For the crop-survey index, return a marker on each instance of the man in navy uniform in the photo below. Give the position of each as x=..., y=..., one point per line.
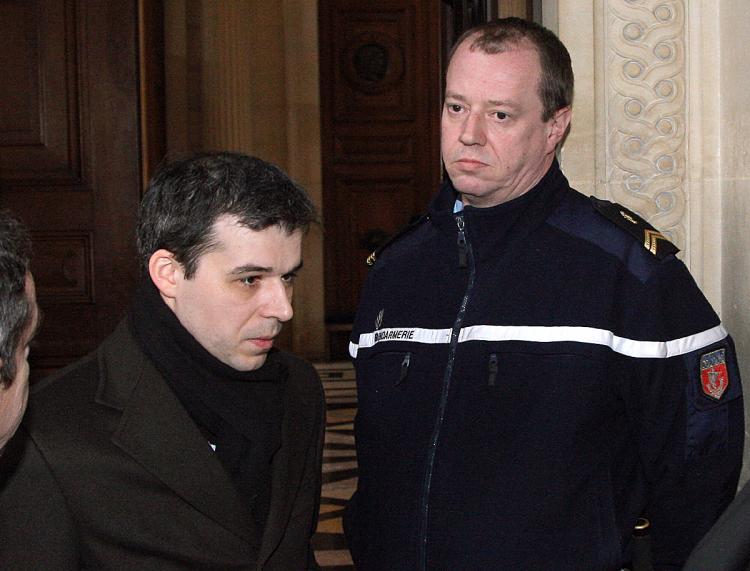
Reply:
x=536, y=369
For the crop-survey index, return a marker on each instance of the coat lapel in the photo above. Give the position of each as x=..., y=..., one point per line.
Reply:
x=156, y=431
x=288, y=467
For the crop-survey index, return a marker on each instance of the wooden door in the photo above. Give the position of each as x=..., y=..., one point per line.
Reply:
x=380, y=107
x=70, y=161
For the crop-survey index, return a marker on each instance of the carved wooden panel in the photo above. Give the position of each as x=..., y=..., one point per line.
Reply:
x=380, y=109
x=39, y=126
x=358, y=148
x=63, y=267
x=369, y=211
x=69, y=161
x=373, y=71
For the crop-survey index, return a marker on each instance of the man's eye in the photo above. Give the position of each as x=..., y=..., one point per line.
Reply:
x=454, y=108
x=289, y=278
x=249, y=280
x=500, y=115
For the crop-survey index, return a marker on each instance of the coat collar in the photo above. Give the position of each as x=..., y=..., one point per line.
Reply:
x=157, y=432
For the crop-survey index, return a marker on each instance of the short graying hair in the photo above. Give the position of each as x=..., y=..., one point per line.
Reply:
x=556, y=81
x=186, y=197
x=15, y=310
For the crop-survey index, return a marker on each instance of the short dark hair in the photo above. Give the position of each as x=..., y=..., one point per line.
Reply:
x=556, y=82
x=15, y=310
x=186, y=197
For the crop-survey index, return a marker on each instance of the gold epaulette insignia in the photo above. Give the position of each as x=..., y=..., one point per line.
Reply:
x=653, y=240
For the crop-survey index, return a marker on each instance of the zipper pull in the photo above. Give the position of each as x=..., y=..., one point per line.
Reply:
x=493, y=370
x=462, y=247
x=404, y=369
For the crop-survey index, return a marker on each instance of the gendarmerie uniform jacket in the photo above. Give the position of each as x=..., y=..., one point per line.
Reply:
x=113, y=474
x=526, y=392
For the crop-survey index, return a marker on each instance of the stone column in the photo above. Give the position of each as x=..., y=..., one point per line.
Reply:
x=242, y=75
x=227, y=91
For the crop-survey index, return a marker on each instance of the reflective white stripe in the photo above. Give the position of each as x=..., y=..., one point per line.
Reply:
x=622, y=345
x=405, y=334
x=541, y=334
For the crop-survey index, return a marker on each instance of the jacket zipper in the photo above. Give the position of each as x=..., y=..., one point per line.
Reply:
x=463, y=247
x=465, y=259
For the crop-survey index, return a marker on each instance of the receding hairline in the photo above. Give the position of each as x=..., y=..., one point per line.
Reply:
x=474, y=43
x=214, y=244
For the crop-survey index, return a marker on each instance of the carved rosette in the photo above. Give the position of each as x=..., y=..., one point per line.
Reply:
x=646, y=111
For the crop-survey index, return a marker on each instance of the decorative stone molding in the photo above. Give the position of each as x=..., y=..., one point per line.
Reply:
x=645, y=91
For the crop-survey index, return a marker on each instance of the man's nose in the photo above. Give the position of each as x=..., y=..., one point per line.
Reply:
x=278, y=302
x=472, y=132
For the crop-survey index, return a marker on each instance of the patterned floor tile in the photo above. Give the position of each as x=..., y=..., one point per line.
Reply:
x=339, y=465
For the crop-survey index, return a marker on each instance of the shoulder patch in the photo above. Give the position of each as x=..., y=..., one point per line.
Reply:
x=373, y=257
x=653, y=240
x=714, y=374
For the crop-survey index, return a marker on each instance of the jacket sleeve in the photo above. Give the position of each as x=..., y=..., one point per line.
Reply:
x=36, y=528
x=686, y=409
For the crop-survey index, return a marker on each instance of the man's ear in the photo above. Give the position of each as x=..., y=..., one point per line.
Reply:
x=166, y=273
x=558, y=126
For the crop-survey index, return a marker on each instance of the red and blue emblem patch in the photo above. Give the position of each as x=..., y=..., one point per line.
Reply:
x=714, y=374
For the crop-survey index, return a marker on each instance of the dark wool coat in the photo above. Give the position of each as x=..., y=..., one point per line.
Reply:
x=109, y=472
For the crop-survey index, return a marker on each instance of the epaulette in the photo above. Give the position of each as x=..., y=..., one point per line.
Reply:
x=653, y=240
x=372, y=258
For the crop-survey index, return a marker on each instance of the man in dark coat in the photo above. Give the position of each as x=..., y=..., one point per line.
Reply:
x=186, y=440
x=19, y=318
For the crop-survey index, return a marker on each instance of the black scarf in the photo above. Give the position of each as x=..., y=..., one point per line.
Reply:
x=239, y=412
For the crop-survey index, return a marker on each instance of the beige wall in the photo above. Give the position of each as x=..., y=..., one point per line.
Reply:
x=659, y=125
x=734, y=177
x=242, y=75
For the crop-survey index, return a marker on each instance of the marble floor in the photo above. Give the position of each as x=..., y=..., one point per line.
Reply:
x=339, y=465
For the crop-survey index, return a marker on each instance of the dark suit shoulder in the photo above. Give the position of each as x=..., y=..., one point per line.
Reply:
x=303, y=380
x=299, y=369
x=69, y=406
x=63, y=396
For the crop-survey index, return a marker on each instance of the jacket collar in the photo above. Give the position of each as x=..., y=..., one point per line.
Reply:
x=496, y=232
x=157, y=433
x=443, y=202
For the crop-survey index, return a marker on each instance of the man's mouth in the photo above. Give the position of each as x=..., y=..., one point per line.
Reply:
x=262, y=342
x=469, y=164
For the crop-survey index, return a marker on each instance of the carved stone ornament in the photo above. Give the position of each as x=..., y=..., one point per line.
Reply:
x=646, y=110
